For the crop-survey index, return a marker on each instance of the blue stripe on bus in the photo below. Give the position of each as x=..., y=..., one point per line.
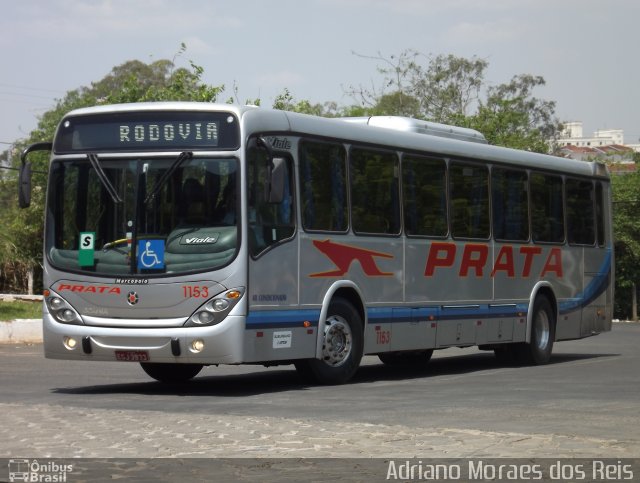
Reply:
x=485, y=311
x=269, y=319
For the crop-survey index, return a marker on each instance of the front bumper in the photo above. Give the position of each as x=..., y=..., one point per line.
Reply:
x=223, y=342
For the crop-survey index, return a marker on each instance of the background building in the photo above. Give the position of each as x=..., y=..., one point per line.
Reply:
x=605, y=145
x=572, y=135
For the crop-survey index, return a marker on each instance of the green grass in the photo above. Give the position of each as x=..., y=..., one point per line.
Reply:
x=20, y=310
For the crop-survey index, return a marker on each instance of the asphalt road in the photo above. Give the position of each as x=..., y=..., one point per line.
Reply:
x=585, y=403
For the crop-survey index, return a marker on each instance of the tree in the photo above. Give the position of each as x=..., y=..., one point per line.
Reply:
x=452, y=90
x=396, y=104
x=286, y=102
x=512, y=116
x=626, y=233
x=441, y=90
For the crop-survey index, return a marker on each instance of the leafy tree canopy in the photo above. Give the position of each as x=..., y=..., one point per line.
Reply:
x=453, y=90
x=626, y=227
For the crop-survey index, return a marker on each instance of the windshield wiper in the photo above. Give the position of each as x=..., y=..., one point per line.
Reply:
x=95, y=163
x=163, y=179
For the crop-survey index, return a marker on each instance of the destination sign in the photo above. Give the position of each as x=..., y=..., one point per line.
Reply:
x=154, y=132
x=148, y=130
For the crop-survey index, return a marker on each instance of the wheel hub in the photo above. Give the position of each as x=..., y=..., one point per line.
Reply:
x=542, y=330
x=338, y=341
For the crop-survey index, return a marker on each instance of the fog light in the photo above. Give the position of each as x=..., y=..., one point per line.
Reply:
x=197, y=345
x=69, y=342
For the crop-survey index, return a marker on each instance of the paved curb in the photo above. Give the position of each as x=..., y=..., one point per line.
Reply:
x=21, y=331
x=10, y=297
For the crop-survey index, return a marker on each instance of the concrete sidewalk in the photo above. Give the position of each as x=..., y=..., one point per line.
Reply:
x=21, y=331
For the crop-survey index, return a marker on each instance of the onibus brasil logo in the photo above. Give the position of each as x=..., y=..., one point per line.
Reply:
x=35, y=471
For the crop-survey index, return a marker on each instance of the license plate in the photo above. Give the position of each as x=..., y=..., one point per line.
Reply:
x=132, y=356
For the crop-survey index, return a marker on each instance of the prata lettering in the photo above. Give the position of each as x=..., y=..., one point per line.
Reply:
x=475, y=260
x=196, y=131
x=102, y=289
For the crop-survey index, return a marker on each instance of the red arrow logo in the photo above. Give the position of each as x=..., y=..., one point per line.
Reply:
x=343, y=255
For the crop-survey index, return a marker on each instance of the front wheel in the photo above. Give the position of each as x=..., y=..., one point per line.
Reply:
x=342, y=346
x=171, y=373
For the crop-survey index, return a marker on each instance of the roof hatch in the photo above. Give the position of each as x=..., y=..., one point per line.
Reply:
x=408, y=124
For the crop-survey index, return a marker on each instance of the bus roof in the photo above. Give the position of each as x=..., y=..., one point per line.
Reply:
x=393, y=132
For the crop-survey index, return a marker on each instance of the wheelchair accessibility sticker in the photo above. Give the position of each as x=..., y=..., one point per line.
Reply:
x=150, y=254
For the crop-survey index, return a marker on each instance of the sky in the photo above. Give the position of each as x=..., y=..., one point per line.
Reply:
x=586, y=50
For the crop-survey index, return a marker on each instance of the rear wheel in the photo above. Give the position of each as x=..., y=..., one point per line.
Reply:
x=342, y=346
x=171, y=372
x=543, y=334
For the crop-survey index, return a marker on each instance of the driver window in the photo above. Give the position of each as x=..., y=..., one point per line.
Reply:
x=269, y=223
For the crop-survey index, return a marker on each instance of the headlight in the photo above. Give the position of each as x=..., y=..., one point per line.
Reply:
x=61, y=310
x=214, y=310
x=204, y=318
x=56, y=303
x=218, y=305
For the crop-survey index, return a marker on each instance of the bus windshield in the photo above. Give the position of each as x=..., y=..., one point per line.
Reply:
x=133, y=216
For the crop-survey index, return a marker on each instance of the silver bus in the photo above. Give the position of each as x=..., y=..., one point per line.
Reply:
x=180, y=235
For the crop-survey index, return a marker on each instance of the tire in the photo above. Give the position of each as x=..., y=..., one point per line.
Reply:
x=408, y=359
x=543, y=334
x=171, y=373
x=342, y=346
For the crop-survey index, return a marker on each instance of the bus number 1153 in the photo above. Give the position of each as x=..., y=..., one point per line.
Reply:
x=195, y=291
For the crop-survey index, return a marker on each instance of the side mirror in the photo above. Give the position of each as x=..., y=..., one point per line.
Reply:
x=24, y=185
x=277, y=179
x=24, y=174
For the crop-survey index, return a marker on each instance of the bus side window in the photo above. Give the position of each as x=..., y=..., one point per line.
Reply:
x=375, y=193
x=469, y=191
x=600, y=214
x=269, y=223
x=547, y=214
x=323, y=187
x=580, y=212
x=424, y=191
x=510, y=204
